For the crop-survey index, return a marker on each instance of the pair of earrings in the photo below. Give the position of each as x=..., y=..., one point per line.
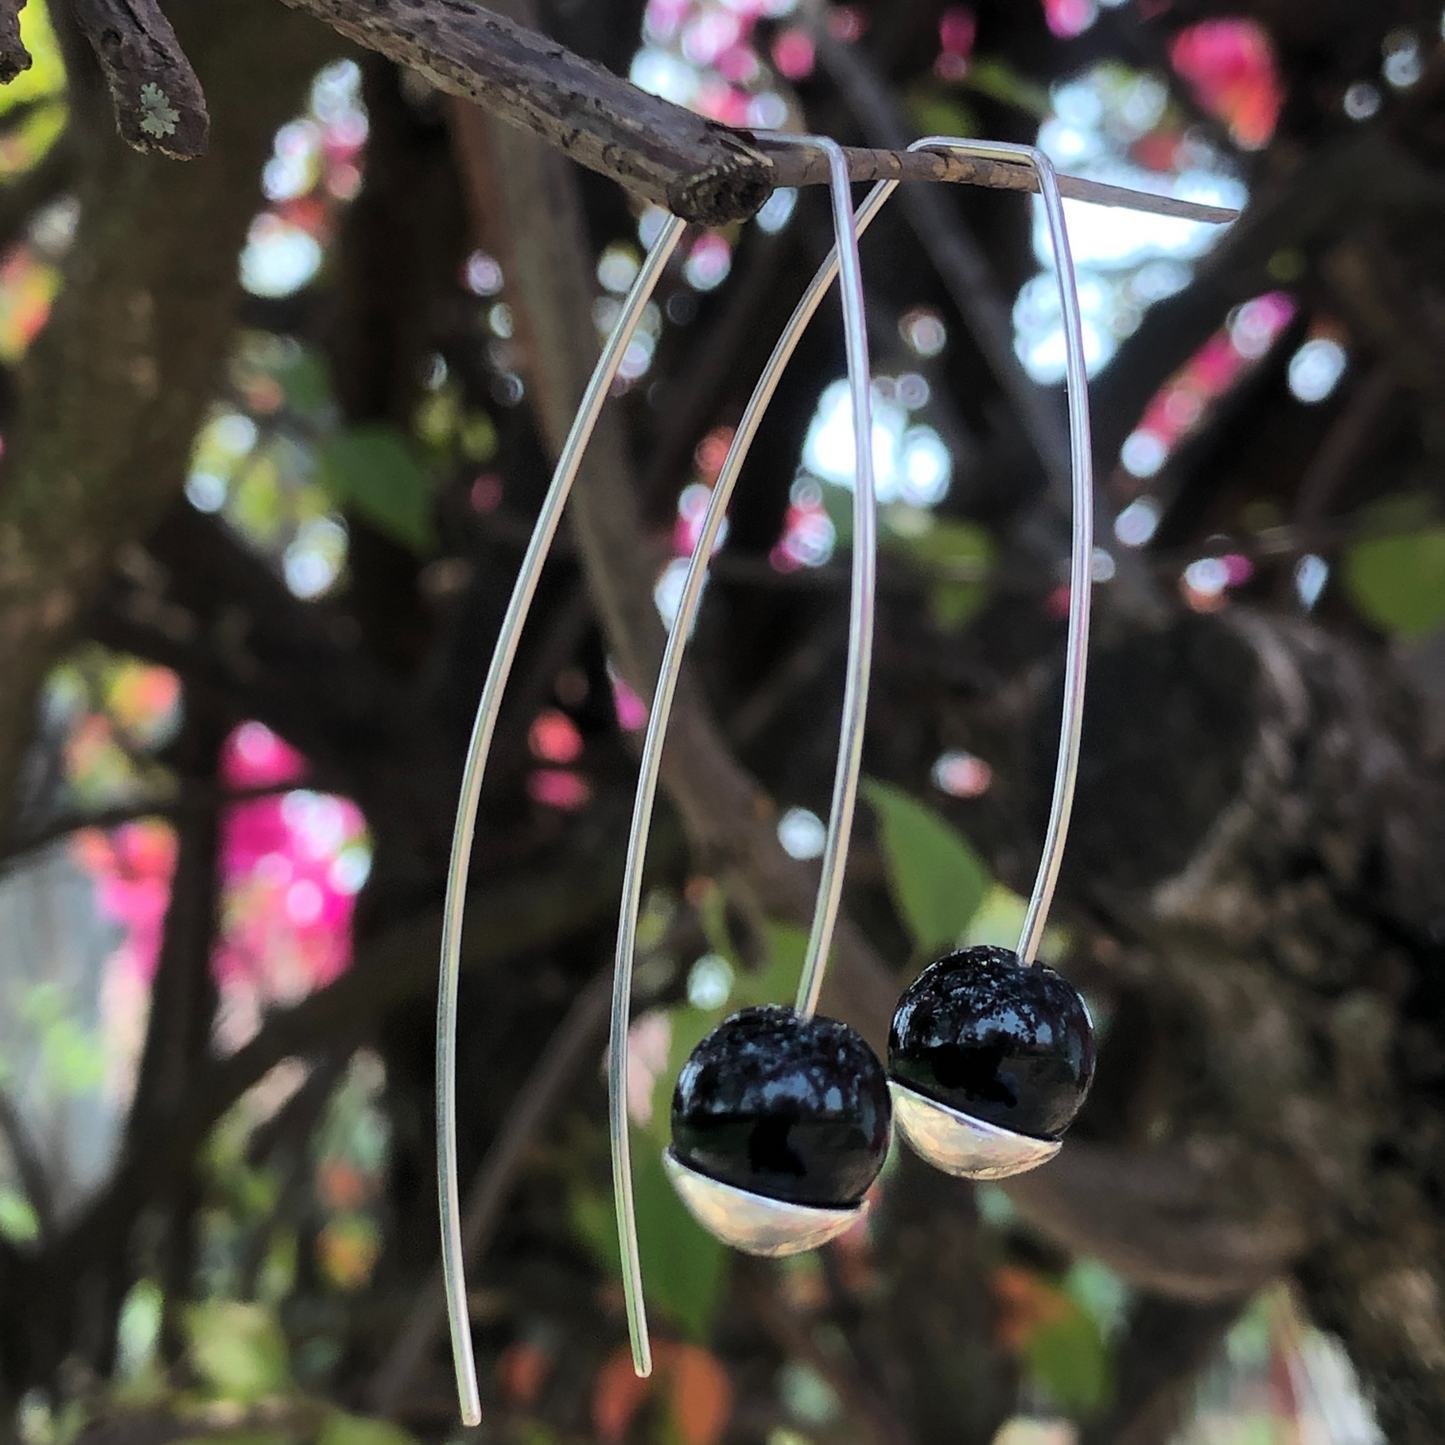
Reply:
x=781, y=1119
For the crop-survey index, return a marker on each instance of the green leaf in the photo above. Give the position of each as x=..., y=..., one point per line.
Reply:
x=683, y=1266
x=477, y=437
x=1099, y=1292
x=1398, y=583
x=777, y=980
x=19, y=1222
x=373, y=471
x=46, y=76
x=594, y=1224
x=1000, y=919
x=437, y=417
x=684, y=1269
x=342, y=1429
x=998, y=80
x=306, y=382
x=238, y=1349
x=958, y=557
x=1070, y=1359
x=936, y=879
x=138, y=1328
x=934, y=112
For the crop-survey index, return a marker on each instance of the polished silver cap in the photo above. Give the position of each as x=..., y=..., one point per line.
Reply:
x=960, y=1144
x=754, y=1223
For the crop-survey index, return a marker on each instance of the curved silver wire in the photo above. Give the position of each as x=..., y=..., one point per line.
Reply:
x=482, y=729
x=1081, y=552
x=860, y=636
x=863, y=587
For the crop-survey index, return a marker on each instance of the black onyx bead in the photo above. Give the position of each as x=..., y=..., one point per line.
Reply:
x=790, y=1108
x=998, y=1041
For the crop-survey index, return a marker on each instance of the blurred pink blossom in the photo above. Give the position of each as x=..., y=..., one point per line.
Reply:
x=132, y=866
x=1067, y=18
x=291, y=865
x=631, y=710
x=793, y=54
x=558, y=788
x=554, y=738
x=1230, y=66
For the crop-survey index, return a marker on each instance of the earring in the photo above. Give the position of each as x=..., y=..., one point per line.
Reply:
x=781, y=1119
x=777, y=1178
x=990, y=1055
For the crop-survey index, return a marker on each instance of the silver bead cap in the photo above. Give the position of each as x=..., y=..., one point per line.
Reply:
x=754, y=1223
x=961, y=1145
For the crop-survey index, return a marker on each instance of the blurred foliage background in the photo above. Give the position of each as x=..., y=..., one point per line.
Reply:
x=274, y=425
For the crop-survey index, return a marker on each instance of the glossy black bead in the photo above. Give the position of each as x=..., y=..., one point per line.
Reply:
x=791, y=1108
x=986, y=1035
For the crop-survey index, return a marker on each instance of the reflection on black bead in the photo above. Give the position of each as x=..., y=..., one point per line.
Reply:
x=1008, y=1044
x=791, y=1108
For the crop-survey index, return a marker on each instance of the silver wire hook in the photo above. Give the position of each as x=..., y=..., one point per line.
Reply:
x=847, y=229
x=503, y=655
x=1081, y=551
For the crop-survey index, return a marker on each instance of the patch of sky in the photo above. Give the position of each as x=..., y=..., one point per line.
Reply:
x=1125, y=261
x=910, y=461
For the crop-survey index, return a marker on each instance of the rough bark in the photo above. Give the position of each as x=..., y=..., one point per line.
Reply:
x=697, y=169
x=1284, y=922
x=157, y=98
x=14, y=57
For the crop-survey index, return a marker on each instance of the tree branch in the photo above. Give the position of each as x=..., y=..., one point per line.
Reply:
x=158, y=101
x=1162, y=1220
x=796, y=1341
x=191, y=799
x=183, y=992
x=1168, y=1343
x=697, y=169
x=14, y=57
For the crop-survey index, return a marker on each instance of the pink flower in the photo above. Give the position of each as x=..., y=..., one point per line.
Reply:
x=1231, y=68
x=291, y=866
x=554, y=738
x=631, y=710
x=1067, y=18
x=558, y=788
x=957, y=29
x=132, y=868
x=254, y=757
x=793, y=54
